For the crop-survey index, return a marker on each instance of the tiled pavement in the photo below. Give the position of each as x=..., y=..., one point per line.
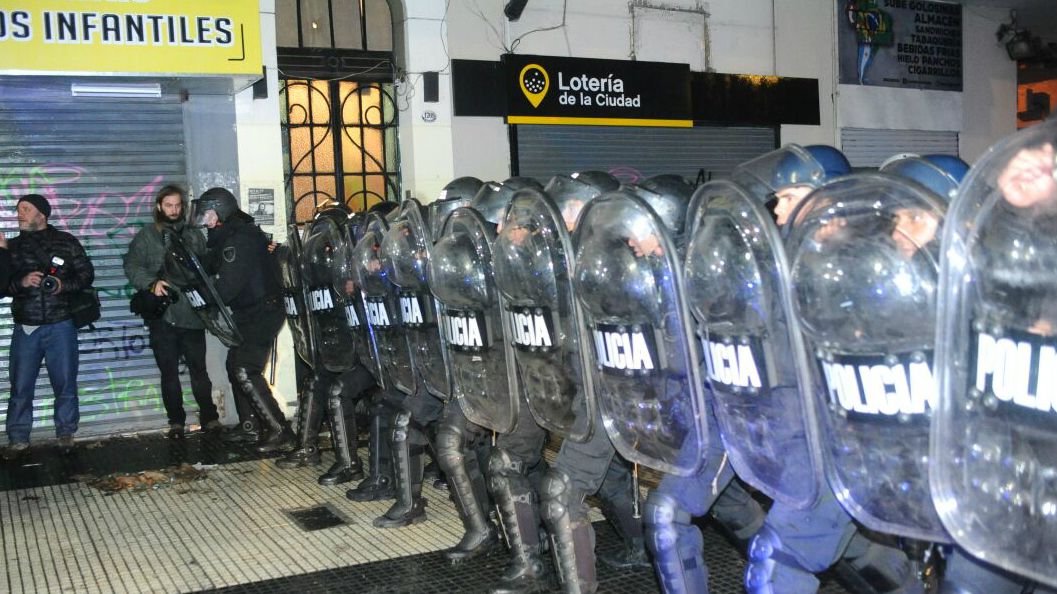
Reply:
x=230, y=531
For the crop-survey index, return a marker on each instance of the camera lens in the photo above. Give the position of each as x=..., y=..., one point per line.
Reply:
x=49, y=283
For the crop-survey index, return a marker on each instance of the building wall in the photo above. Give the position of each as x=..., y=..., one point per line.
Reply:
x=795, y=39
x=260, y=165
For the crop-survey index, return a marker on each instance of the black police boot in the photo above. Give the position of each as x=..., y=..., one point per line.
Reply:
x=379, y=484
x=276, y=434
x=347, y=466
x=410, y=506
x=468, y=490
x=565, y=515
x=632, y=553
x=309, y=419
x=519, y=514
x=248, y=429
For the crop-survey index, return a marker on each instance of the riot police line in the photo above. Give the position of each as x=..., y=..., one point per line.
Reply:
x=871, y=353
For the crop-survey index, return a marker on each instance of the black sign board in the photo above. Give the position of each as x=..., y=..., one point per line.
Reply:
x=581, y=91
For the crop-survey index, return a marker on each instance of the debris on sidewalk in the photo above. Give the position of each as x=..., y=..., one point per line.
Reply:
x=148, y=479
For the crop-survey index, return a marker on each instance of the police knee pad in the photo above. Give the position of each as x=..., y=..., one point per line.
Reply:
x=559, y=498
x=762, y=562
x=242, y=376
x=450, y=442
x=401, y=425
x=502, y=464
x=661, y=519
x=336, y=389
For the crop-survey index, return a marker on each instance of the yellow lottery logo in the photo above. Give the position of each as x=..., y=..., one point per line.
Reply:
x=534, y=83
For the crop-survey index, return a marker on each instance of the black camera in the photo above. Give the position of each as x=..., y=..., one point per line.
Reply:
x=50, y=283
x=150, y=306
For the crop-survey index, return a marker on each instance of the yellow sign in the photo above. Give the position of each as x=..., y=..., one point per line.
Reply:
x=534, y=82
x=139, y=37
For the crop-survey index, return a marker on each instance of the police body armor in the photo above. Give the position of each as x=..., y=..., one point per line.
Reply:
x=295, y=296
x=381, y=307
x=405, y=254
x=864, y=257
x=645, y=370
x=993, y=463
x=736, y=277
x=183, y=269
x=329, y=316
x=471, y=317
x=533, y=264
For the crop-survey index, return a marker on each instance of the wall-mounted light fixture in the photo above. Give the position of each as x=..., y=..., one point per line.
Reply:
x=116, y=90
x=514, y=8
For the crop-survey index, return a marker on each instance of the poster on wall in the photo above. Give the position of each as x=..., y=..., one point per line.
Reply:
x=900, y=43
x=262, y=205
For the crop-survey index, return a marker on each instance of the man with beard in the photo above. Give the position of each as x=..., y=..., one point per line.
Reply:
x=178, y=332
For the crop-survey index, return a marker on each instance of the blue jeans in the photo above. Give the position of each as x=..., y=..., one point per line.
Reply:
x=56, y=345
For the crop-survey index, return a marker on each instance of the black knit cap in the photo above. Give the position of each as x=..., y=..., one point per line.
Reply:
x=39, y=202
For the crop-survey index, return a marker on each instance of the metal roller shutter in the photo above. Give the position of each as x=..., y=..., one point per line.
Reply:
x=868, y=147
x=99, y=162
x=632, y=153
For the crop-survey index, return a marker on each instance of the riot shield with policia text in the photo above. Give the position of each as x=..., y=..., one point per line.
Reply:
x=645, y=369
x=327, y=314
x=183, y=269
x=864, y=257
x=993, y=462
x=405, y=254
x=381, y=306
x=736, y=287
x=471, y=316
x=532, y=258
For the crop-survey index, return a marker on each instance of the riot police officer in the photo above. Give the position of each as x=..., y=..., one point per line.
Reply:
x=532, y=262
x=339, y=379
x=405, y=256
x=472, y=332
x=627, y=256
x=246, y=281
x=802, y=537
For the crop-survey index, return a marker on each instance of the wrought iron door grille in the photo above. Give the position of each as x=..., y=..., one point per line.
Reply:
x=340, y=143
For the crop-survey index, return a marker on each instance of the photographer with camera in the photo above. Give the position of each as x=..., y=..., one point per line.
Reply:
x=178, y=331
x=48, y=266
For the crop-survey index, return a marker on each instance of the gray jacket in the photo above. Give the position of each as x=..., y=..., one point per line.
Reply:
x=144, y=262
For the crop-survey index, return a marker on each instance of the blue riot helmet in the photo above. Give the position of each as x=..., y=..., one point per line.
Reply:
x=458, y=192
x=939, y=173
x=789, y=174
x=571, y=192
x=493, y=197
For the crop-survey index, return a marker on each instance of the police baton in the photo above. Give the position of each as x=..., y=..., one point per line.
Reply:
x=271, y=363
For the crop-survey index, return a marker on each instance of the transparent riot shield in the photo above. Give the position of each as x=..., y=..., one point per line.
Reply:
x=295, y=299
x=327, y=314
x=994, y=438
x=346, y=286
x=532, y=259
x=645, y=368
x=185, y=271
x=380, y=307
x=864, y=257
x=405, y=253
x=472, y=321
x=736, y=288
